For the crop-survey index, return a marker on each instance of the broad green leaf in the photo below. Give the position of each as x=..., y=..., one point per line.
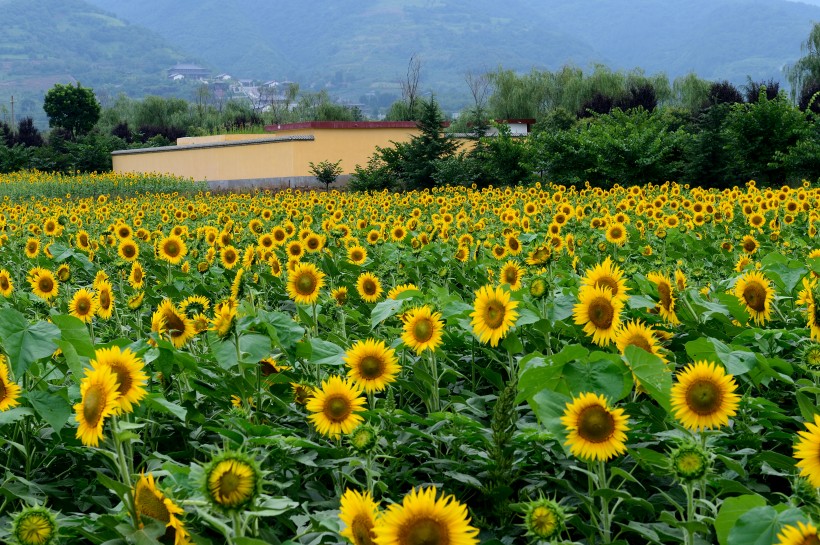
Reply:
x=13, y=415
x=74, y=331
x=732, y=509
x=254, y=347
x=53, y=408
x=760, y=525
x=600, y=375
x=326, y=353
x=538, y=372
x=159, y=403
x=652, y=373
x=384, y=310
x=26, y=343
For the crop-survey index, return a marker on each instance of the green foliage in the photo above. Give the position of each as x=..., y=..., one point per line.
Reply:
x=326, y=172
x=74, y=109
x=622, y=147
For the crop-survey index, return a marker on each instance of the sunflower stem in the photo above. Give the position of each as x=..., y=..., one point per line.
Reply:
x=689, y=535
x=238, y=528
x=435, y=404
x=122, y=466
x=606, y=516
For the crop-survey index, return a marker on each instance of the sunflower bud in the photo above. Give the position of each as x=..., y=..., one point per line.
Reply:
x=690, y=462
x=233, y=481
x=34, y=526
x=363, y=439
x=544, y=519
x=538, y=288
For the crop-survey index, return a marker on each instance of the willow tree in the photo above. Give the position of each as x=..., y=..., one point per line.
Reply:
x=806, y=71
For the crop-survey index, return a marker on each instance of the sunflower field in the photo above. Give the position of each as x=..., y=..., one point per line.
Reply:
x=545, y=364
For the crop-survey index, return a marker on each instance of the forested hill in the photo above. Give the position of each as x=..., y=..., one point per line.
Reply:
x=43, y=42
x=356, y=44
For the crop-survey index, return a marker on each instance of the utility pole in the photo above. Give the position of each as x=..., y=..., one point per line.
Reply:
x=12, y=113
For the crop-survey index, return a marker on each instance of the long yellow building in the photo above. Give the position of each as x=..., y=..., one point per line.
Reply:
x=280, y=158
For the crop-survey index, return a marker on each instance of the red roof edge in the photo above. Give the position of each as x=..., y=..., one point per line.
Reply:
x=342, y=125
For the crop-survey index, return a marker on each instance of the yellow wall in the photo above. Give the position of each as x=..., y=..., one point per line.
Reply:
x=231, y=159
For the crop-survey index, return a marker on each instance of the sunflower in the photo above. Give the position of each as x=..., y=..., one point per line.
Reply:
x=539, y=255
x=137, y=276
x=128, y=250
x=34, y=526
x=135, y=301
x=594, y=430
x=755, y=292
x=271, y=367
x=229, y=257
x=314, y=243
x=339, y=295
x=6, y=285
x=44, y=284
x=599, y=313
x=749, y=244
x=616, y=234
x=83, y=240
x=169, y=319
x=83, y=305
x=422, y=329
x=105, y=299
x=369, y=287
x=704, y=396
x=373, y=365
x=151, y=502
x=302, y=393
x=680, y=280
x=128, y=368
x=609, y=275
x=398, y=290
x=511, y=274
x=64, y=273
x=32, y=248
x=334, y=407
x=172, y=249
x=807, y=451
x=224, y=317
x=99, y=400
x=232, y=481
x=9, y=391
x=304, y=283
x=635, y=333
x=512, y=245
x=295, y=250
x=493, y=315
x=806, y=298
x=424, y=519
x=359, y=513
x=666, y=294
x=801, y=534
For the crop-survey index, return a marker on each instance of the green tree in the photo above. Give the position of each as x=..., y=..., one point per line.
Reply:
x=74, y=109
x=806, y=71
x=326, y=172
x=424, y=150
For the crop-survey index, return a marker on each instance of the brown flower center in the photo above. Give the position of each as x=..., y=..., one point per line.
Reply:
x=369, y=287
x=228, y=483
x=494, y=314
x=424, y=531
x=595, y=424
x=45, y=284
x=755, y=296
x=93, y=405
x=149, y=505
x=305, y=284
x=362, y=529
x=371, y=367
x=4, y=282
x=641, y=342
x=423, y=330
x=123, y=378
x=336, y=408
x=608, y=282
x=665, y=293
x=704, y=397
x=601, y=312
x=105, y=299
x=171, y=248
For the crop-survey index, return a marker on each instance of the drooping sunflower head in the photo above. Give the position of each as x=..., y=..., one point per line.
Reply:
x=666, y=296
x=373, y=365
x=493, y=315
x=99, y=390
x=232, y=481
x=594, y=430
x=599, y=312
x=131, y=379
x=755, y=293
x=422, y=518
x=169, y=320
x=34, y=526
x=544, y=519
x=304, y=283
x=224, y=318
x=369, y=287
x=150, y=502
x=704, y=396
x=335, y=406
x=83, y=305
x=359, y=513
